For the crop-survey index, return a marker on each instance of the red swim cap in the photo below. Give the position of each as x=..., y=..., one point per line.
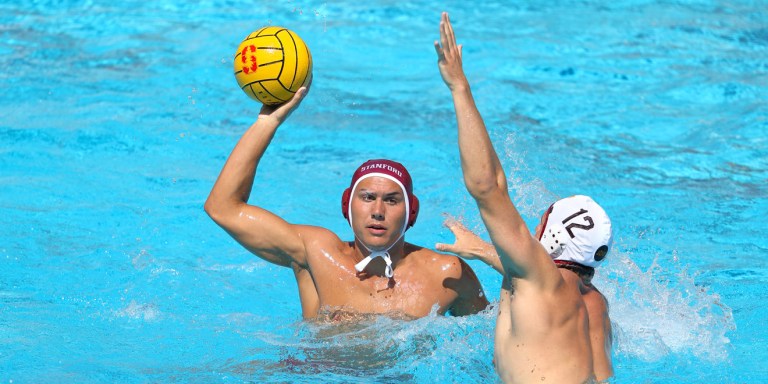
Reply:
x=388, y=169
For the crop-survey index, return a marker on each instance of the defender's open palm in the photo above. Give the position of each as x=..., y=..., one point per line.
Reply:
x=449, y=55
x=467, y=245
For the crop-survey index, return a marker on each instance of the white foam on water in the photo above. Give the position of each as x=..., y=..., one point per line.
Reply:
x=135, y=310
x=656, y=313
x=530, y=195
x=387, y=348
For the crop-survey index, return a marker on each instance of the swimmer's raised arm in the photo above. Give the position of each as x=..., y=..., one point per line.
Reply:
x=260, y=231
x=521, y=256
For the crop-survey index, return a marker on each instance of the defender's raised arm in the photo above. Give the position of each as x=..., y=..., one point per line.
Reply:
x=542, y=327
x=483, y=173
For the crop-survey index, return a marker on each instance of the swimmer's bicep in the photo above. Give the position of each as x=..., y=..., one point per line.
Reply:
x=268, y=236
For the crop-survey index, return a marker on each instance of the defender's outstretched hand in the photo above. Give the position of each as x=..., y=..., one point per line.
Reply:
x=469, y=246
x=449, y=56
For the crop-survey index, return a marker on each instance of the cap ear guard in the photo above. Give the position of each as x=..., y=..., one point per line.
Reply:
x=412, y=215
x=345, y=202
x=554, y=240
x=601, y=253
x=414, y=210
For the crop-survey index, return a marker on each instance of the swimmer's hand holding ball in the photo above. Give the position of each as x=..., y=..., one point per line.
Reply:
x=271, y=64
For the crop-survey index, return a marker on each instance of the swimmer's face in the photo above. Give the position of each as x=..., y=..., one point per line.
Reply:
x=378, y=212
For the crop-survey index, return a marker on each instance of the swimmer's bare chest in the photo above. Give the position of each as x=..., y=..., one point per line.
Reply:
x=414, y=290
x=377, y=294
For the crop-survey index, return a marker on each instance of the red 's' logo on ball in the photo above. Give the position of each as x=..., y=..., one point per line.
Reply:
x=254, y=65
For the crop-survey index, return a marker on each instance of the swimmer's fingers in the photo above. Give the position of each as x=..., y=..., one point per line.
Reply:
x=294, y=102
x=457, y=249
x=445, y=38
x=448, y=38
x=457, y=227
x=309, y=81
x=298, y=96
x=453, y=223
x=441, y=44
x=443, y=247
x=281, y=112
x=448, y=223
x=449, y=56
x=447, y=31
x=439, y=51
x=460, y=232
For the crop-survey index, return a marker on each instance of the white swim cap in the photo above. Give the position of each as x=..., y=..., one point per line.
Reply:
x=577, y=230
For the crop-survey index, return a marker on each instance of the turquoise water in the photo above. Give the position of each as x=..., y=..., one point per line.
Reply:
x=117, y=117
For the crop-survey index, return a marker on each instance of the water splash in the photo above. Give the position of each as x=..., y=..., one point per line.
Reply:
x=656, y=313
x=387, y=348
x=530, y=195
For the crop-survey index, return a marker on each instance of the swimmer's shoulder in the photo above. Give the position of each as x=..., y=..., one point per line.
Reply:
x=595, y=301
x=449, y=265
x=319, y=242
x=312, y=234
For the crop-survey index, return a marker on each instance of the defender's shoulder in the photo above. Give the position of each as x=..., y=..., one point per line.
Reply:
x=595, y=301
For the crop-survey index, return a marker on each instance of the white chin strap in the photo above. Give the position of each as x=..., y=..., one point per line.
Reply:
x=388, y=272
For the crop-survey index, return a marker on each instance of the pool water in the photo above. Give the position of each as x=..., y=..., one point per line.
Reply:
x=118, y=116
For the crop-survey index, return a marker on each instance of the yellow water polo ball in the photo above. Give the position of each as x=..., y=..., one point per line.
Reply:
x=271, y=64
